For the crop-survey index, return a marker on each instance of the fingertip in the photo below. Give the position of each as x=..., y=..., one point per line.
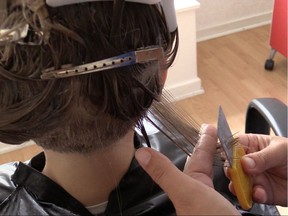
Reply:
x=227, y=172
x=243, y=139
x=231, y=188
x=203, y=127
x=259, y=194
x=207, y=129
x=248, y=164
x=143, y=156
x=208, y=136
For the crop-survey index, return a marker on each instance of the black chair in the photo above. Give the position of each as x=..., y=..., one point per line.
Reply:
x=264, y=114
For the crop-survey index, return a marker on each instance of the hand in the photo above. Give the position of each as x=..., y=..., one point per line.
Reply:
x=266, y=161
x=191, y=192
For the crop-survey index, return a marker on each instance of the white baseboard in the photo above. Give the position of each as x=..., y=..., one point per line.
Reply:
x=234, y=26
x=186, y=89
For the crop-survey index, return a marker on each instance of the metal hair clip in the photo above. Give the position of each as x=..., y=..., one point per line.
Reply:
x=14, y=35
x=130, y=58
x=22, y=35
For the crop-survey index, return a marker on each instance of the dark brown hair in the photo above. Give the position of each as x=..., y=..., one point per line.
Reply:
x=81, y=113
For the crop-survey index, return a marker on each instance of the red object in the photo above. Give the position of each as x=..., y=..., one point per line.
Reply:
x=278, y=36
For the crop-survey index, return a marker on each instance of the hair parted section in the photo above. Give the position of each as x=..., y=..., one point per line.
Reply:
x=81, y=113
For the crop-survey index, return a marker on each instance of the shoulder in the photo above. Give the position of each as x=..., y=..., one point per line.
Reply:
x=6, y=184
x=26, y=191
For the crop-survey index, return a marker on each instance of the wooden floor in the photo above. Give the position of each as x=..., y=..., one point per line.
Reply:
x=232, y=72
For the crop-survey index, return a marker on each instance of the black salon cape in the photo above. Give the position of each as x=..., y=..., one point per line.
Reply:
x=24, y=190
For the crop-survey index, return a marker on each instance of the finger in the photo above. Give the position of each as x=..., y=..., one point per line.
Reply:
x=275, y=155
x=203, y=156
x=163, y=172
x=231, y=188
x=227, y=172
x=254, y=142
x=259, y=194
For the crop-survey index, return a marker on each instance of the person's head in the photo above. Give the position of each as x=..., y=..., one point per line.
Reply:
x=84, y=112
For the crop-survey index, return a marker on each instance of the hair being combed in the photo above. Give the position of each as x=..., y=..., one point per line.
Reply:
x=80, y=114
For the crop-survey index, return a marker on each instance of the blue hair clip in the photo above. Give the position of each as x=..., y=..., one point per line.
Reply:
x=140, y=56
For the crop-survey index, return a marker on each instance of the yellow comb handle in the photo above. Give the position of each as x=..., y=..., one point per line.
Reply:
x=241, y=181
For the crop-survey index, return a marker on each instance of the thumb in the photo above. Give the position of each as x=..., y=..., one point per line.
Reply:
x=267, y=158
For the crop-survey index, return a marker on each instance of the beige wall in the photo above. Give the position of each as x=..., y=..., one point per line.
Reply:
x=219, y=17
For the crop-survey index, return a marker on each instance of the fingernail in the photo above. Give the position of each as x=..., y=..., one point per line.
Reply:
x=201, y=132
x=250, y=162
x=203, y=126
x=143, y=156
